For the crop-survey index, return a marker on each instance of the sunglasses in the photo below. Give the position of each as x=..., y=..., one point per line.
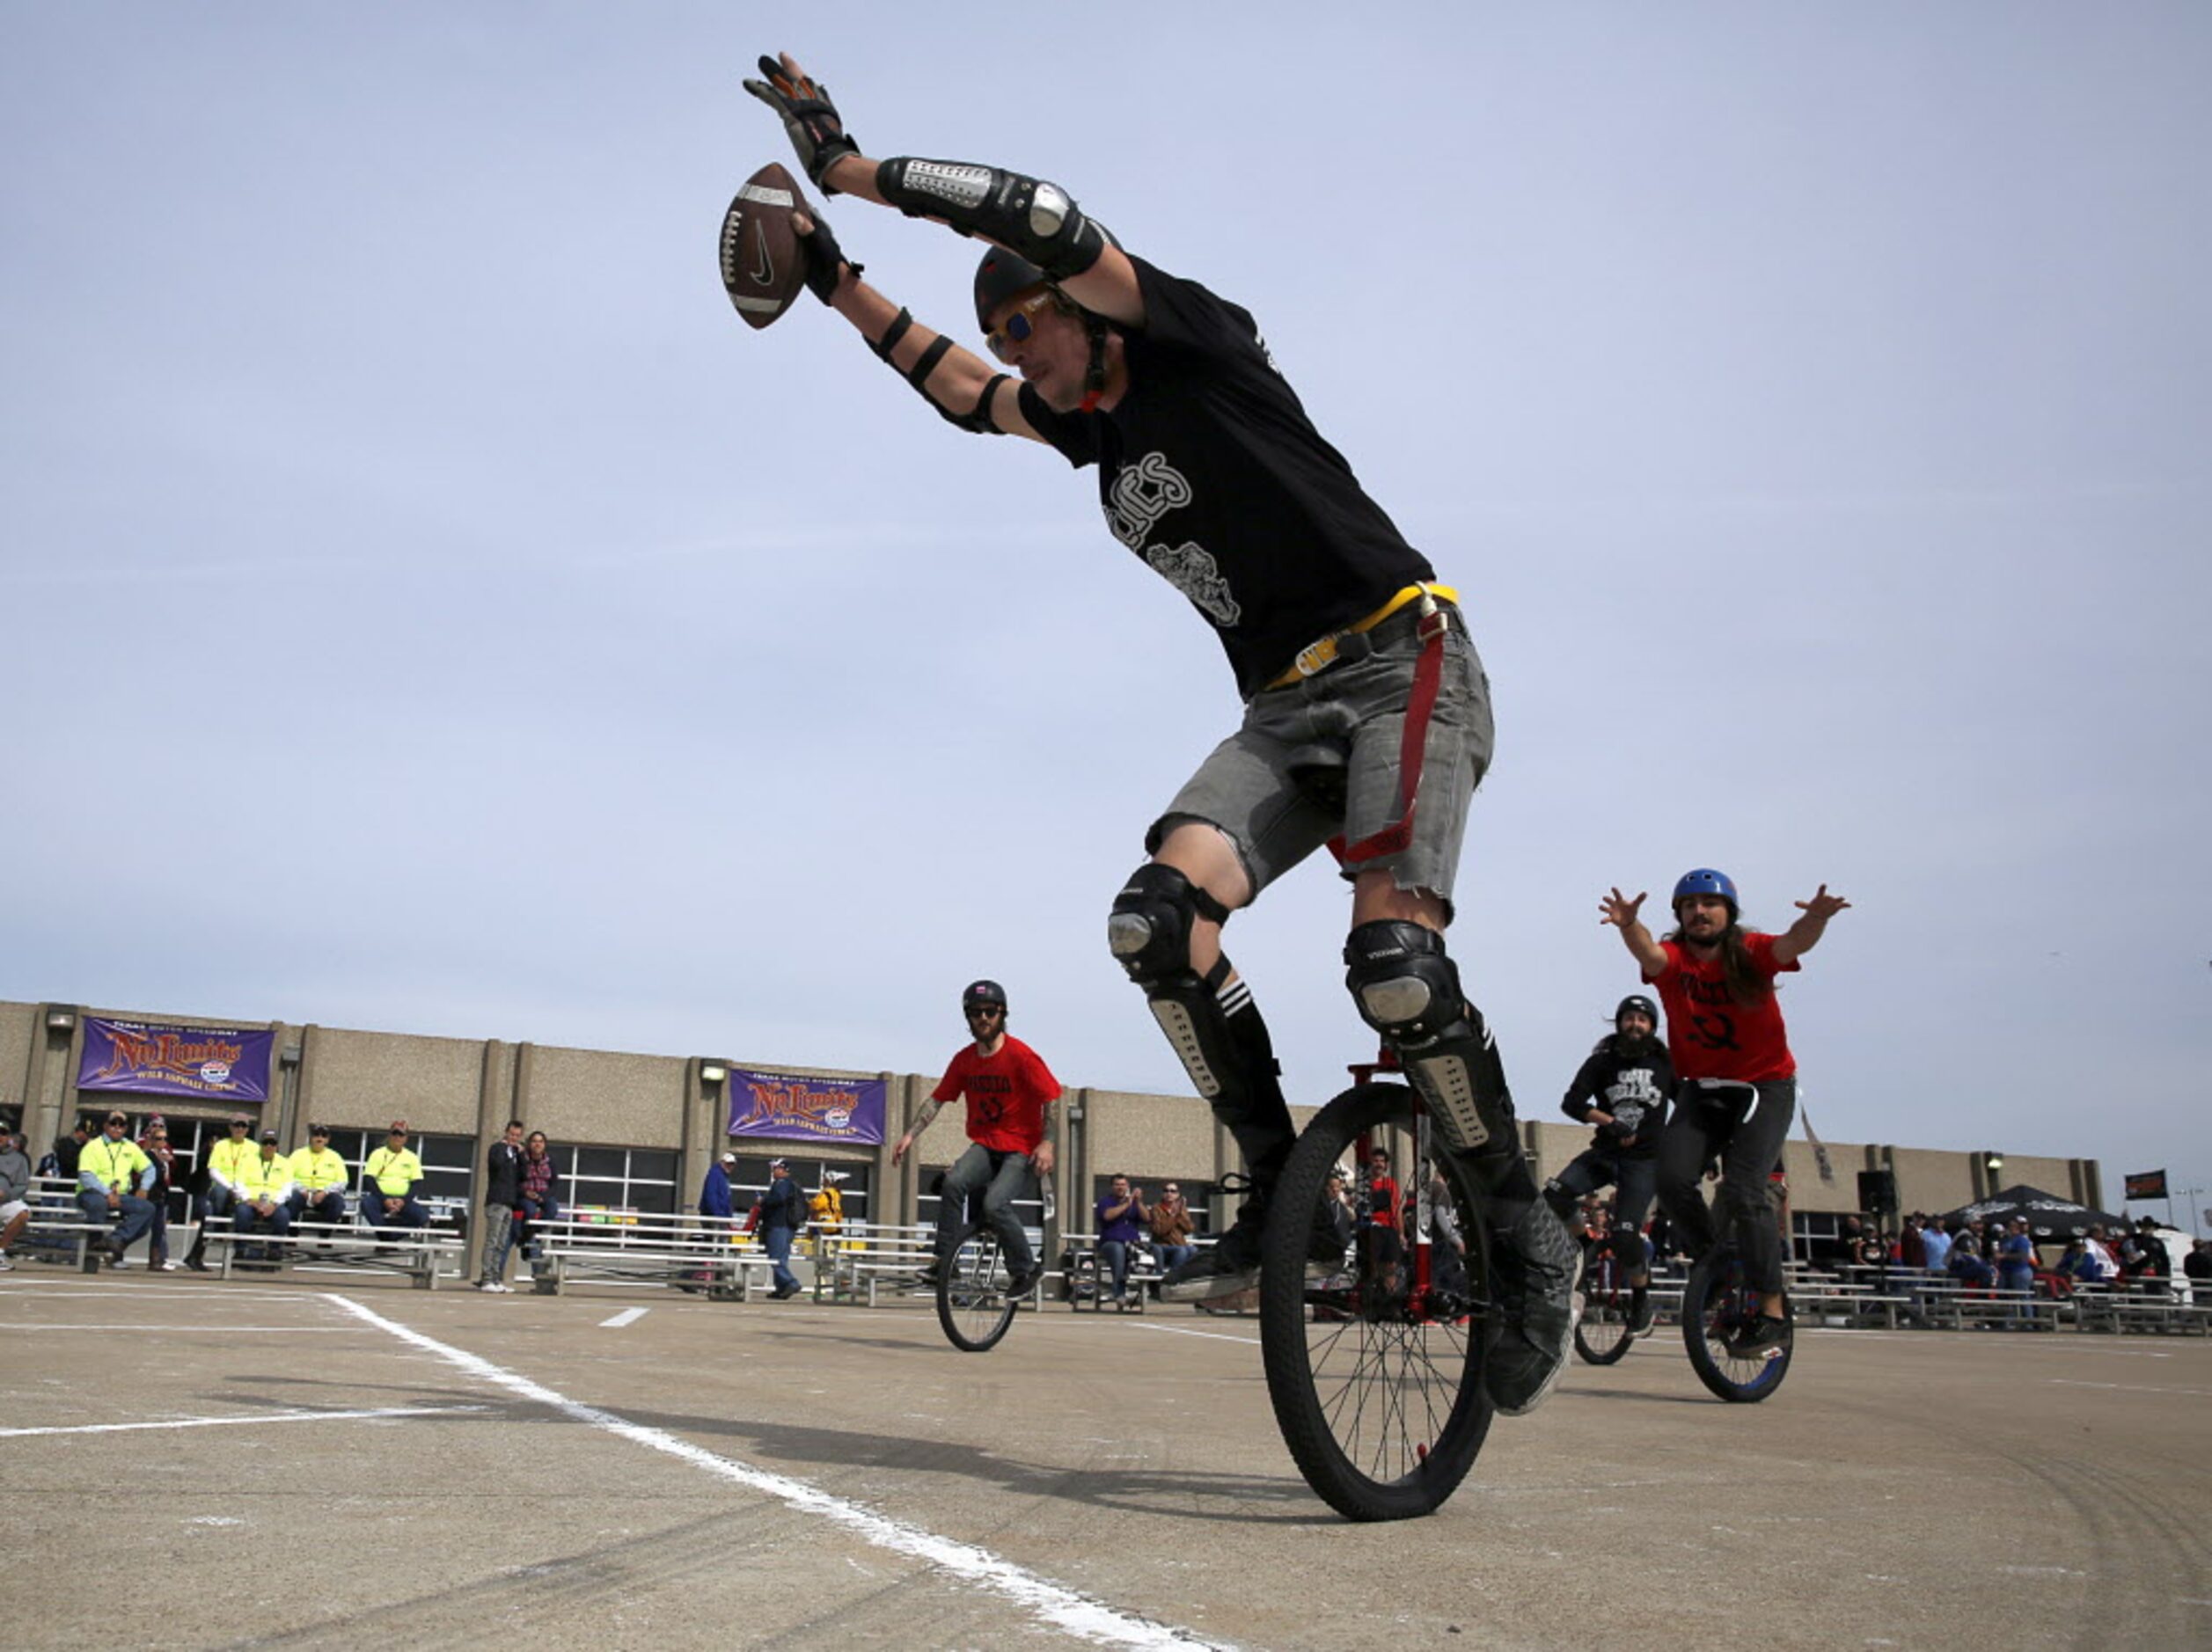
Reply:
x=983, y=1012
x=1018, y=328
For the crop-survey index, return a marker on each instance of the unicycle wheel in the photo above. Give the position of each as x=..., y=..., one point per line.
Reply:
x=1718, y=1305
x=1374, y=1355
x=973, y=1303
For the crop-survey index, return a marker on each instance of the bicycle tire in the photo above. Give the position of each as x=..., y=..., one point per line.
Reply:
x=1602, y=1334
x=1717, y=1303
x=972, y=1303
x=1376, y=1378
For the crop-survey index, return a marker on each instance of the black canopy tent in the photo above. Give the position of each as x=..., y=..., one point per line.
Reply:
x=2049, y=1216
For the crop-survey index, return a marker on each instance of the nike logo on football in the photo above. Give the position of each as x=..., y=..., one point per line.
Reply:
x=764, y=275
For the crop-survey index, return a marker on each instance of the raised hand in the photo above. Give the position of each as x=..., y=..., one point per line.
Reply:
x=1823, y=906
x=816, y=129
x=1619, y=911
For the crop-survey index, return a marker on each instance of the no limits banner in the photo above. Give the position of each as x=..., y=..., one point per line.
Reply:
x=201, y=1063
x=779, y=1106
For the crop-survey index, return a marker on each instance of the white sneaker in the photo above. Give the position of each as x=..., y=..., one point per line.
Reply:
x=170, y=1268
x=6, y=1266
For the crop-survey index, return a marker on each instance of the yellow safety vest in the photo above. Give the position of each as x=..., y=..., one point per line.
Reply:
x=318, y=1171
x=395, y=1175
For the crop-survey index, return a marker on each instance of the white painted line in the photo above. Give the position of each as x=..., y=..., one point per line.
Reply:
x=239, y=1422
x=628, y=1316
x=1062, y=1608
x=214, y=1327
x=1218, y=1336
x=2126, y=1388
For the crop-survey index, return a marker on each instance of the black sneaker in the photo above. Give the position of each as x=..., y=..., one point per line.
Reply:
x=1763, y=1338
x=927, y=1277
x=1538, y=1269
x=1226, y=1268
x=1639, y=1310
x=1025, y=1282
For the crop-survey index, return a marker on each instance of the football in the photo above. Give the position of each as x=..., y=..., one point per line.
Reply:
x=763, y=268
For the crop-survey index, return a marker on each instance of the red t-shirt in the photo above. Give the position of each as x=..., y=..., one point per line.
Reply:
x=1007, y=1093
x=1709, y=1034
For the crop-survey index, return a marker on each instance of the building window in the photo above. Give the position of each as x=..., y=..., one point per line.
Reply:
x=640, y=1178
x=750, y=1181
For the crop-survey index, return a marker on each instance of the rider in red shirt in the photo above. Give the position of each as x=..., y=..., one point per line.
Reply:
x=1010, y=1093
x=1731, y=1055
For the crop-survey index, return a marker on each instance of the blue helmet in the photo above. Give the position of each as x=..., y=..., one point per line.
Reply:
x=1705, y=881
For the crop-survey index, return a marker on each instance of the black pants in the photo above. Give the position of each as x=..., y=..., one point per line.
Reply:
x=1746, y=1131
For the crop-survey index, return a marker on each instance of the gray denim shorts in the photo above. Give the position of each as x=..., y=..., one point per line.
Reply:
x=1320, y=758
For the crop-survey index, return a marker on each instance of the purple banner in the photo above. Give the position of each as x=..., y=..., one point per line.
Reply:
x=205, y=1063
x=792, y=1109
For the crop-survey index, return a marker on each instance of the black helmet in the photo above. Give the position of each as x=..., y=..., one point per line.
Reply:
x=980, y=993
x=1001, y=276
x=1635, y=1001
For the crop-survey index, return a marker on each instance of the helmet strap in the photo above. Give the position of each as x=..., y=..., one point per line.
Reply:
x=1094, y=374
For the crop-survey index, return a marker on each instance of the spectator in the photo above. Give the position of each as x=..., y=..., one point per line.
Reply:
x=15, y=1193
x=2197, y=1265
x=1966, y=1263
x=1171, y=1226
x=540, y=1203
x=2016, y=1257
x=112, y=1172
x=217, y=1185
x=715, y=1196
x=502, y=1192
x=1122, y=1214
x=1343, y=1215
x=2143, y=1259
x=1447, y=1246
x=1871, y=1254
x=265, y=1199
x=1935, y=1243
x=319, y=1180
x=1379, y=1240
x=387, y=1183
x=155, y=1144
x=782, y=1213
x=68, y=1149
x=826, y=1213
x=1912, y=1251
x=2100, y=1257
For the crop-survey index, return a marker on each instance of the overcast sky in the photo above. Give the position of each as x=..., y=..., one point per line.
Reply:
x=431, y=611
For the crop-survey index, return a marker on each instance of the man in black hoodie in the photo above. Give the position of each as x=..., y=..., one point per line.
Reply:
x=1623, y=1089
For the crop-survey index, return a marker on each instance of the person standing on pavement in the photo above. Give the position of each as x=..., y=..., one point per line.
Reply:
x=783, y=1212
x=155, y=1144
x=502, y=1192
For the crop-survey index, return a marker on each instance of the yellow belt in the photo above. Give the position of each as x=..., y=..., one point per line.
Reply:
x=1319, y=656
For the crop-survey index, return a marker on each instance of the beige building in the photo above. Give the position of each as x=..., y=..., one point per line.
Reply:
x=640, y=1131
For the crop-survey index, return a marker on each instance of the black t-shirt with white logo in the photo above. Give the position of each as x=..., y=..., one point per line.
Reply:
x=1210, y=471
x=1633, y=1083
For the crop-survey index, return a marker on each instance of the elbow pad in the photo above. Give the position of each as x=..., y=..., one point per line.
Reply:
x=1038, y=220
x=977, y=420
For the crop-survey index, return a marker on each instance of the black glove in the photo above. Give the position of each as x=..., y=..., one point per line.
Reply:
x=825, y=259
x=817, y=129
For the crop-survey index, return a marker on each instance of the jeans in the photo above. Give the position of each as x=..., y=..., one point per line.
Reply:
x=410, y=1214
x=329, y=1205
x=1115, y=1255
x=499, y=1239
x=1173, y=1256
x=778, y=1239
x=276, y=1224
x=137, y=1216
x=1001, y=1176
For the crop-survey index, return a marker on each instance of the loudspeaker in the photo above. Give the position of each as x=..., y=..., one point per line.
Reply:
x=1878, y=1192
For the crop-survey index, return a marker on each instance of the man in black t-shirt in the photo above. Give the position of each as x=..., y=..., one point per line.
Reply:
x=1368, y=721
x=1623, y=1089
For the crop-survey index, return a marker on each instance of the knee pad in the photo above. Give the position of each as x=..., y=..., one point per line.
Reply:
x=1562, y=1202
x=1628, y=1246
x=1408, y=990
x=1149, y=931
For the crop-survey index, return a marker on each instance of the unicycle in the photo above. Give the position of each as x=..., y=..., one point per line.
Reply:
x=1374, y=1355
x=1717, y=1305
x=1602, y=1335
x=972, y=1302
